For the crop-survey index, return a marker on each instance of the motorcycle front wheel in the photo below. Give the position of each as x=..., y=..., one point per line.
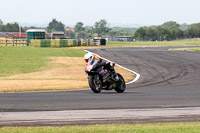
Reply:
x=94, y=85
x=121, y=86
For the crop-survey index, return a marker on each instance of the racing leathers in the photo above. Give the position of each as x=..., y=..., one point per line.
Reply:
x=107, y=65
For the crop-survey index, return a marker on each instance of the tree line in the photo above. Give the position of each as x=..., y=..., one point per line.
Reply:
x=9, y=27
x=100, y=28
x=168, y=31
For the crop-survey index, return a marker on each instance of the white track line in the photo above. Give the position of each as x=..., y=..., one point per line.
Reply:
x=137, y=74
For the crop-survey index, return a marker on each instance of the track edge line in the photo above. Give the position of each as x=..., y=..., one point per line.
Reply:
x=130, y=82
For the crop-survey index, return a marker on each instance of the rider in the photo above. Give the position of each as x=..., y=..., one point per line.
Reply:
x=91, y=59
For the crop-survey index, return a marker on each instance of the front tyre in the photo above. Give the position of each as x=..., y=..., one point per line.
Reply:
x=121, y=86
x=94, y=85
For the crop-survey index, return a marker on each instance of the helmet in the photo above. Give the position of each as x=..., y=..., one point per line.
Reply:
x=89, y=57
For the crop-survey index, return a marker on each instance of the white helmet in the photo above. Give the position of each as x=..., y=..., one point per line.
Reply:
x=89, y=57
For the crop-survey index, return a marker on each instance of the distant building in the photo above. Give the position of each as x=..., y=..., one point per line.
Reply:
x=121, y=38
x=70, y=29
x=125, y=38
x=57, y=35
x=35, y=34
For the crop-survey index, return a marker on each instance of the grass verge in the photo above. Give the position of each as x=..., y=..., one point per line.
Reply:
x=44, y=69
x=15, y=60
x=115, y=128
x=153, y=44
x=189, y=49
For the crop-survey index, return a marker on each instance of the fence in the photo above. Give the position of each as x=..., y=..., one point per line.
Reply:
x=61, y=43
x=45, y=42
x=13, y=41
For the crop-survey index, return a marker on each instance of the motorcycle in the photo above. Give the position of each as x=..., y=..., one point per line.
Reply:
x=101, y=77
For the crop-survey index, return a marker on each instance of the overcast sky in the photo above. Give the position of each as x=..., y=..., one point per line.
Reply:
x=143, y=12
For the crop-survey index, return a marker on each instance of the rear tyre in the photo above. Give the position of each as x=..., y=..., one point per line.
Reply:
x=121, y=86
x=95, y=87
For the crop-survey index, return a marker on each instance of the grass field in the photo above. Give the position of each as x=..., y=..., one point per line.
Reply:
x=15, y=60
x=154, y=44
x=194, y=49
x=134, y=128
x=44, y=69
x=189, y=49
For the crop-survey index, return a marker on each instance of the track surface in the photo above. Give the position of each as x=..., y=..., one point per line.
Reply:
x=167, y=91
x=168, y=79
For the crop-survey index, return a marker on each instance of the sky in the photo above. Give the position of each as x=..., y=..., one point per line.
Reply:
x=116, y=12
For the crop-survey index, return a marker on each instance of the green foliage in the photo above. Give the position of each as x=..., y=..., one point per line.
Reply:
x=183, y=27
x=193, y=31
x=9, y=27
x=79, y=27
x=168, y=31
x=71, y=34
x=82, y=35
x=170, y=25
x=15, y=60
x=54, y=25
x=100, y=27
x=1, y=22
x=120, y=31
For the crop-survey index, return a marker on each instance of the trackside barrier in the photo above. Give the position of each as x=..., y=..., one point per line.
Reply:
x=61, y=43
x=13, y=41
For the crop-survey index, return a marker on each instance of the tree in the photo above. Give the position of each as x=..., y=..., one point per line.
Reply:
x=167, y=31
x=81, y=35
x=79, y=27
x=183, y=27
x=193, y=31
x=140, y=33
x=170, y=25
x=1, y=22
x=54, y=25
x=10, y=27
x=71, y=34
x=89, y=30
x=162, y=33
x=174, y=30
x=100, y=27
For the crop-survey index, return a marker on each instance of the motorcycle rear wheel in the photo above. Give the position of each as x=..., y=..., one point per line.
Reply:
x=95, y=87
x=121, y=86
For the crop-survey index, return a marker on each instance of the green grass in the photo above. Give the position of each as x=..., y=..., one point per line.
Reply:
x=134, y=128
x=16, y=60
x=192, y=49
x=155, y=44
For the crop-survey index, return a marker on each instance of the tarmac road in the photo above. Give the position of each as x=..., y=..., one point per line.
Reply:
x=169, y=79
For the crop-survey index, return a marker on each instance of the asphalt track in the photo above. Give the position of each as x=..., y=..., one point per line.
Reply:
x=169, y=79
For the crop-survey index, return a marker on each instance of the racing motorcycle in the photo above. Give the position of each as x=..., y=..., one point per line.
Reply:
x=100, y=77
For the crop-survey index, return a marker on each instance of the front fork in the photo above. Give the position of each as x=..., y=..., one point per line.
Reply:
x=97, y=79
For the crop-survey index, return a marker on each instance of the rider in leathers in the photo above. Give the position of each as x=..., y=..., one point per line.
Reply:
x=91, y=59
